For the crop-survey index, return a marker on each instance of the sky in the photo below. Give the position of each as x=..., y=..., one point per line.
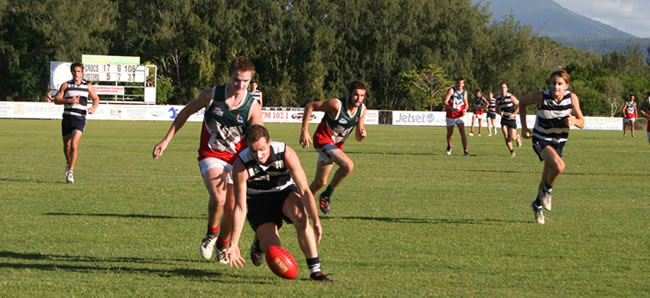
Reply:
x=631, y=16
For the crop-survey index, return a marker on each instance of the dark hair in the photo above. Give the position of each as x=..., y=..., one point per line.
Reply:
x=75, y=65
x=241, y=63
x=458, y=79
x=256, y=132
x=356, y=85
x=479, y=90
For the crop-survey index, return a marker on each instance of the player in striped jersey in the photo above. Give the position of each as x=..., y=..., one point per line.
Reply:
x=629, y=114
x=491, y=114
x=271, y=184
x=508, y=106
x=557, y=110
x=256, y=92
x=74, y=96
x=229, y=110
x=342, y=116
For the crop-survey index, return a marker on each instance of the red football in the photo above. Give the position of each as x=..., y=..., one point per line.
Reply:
x=281, y=262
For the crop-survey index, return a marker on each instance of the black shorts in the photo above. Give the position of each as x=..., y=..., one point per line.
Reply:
x=70, y=123
x=512, y=123
x=539, y=145
x=267, y=207
x=491, y=114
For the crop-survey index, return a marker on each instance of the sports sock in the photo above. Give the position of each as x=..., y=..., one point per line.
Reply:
x=213, y=230
x=314, y=265
x=222, y=244
x=547, y=187
x=328, y=192
x=512, y=150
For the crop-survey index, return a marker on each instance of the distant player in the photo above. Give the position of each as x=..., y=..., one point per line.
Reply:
x=256, y=92
x=342, y=115
x=555, y=108
x=491, y=115
x=73, y=95
x=271, y=184
x=629, y=114
x=645, y=112
x=229, y=110
x=479, y=105
x=508, y=106
x=456, y=105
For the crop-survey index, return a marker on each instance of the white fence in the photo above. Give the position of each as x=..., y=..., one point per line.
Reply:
x=42, y=110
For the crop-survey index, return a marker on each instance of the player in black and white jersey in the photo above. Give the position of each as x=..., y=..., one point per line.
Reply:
x=74, y=95
x=508, y=107
x=557, y=110
x=491, y=115
x=271, y=183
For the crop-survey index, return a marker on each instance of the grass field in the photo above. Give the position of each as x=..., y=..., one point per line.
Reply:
x=409, y=221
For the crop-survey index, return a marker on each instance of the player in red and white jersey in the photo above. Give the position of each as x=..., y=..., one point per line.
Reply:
x=342, y=115
x=456, y=105
x=629, y=114
x=229, y=110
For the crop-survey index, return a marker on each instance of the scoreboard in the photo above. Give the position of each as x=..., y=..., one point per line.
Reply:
x=95, y=72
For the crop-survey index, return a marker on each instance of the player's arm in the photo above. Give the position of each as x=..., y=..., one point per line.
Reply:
x=239, y=175
x=534, y=98
x=255, y=114
x=361, y=129
x=261, y=98
x=445, y=102
x=59, y=99
x=466, y=103
x=194, y=106
x=330, y=106
x=485, y=104
x=579, y=119
x=93, y=95
x=298, y=174
x=515, y=101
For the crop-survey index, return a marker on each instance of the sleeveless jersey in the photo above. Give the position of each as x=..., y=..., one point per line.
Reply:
x=478, y=103
x=257, y=94
x=506, y=105
x=222, y=134
x=458, y=104
x=492, y=104
x=336, y=130
x=273, y=177
x=77, y=110
x=551, y=123
x=629, y=112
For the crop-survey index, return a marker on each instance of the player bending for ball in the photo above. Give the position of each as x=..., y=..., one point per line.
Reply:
x=264, y=176
x=555, y=108
x=229, y=109
x=342, y=115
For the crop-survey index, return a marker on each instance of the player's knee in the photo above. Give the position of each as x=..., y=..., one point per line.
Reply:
x=559, y=166
x=318, y=184
x=347, y=167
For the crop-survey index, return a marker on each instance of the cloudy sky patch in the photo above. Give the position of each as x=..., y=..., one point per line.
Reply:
x=631, y=16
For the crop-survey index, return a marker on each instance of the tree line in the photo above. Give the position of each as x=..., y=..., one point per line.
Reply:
x=309, y=50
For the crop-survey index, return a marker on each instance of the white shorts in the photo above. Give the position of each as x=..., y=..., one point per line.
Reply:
x=213, y=162
x=454, y=122
x=628, y=120
x=326, y=152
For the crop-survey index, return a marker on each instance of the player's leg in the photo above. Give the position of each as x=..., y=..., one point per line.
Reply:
x=632, y=127
x=215, y=177
x=463, y=136
x=346, y=166
x=323, y=170
x=479, y=126
x=624, y=125
x=471, y=131
x=75, y=138
x=505, y=130
x=450, y=133
x=553, y=167
x=294, y=209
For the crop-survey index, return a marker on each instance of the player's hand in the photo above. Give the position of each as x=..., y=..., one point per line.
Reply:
x=159, y=149
x=363, y=133
x=318, y=232
x=570, y=121
x=525, y=132
x=91, y=110
x=305, y=140
x=75, y=99
x=236, y=260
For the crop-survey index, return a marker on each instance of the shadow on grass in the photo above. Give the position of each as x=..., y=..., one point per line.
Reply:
x=30, y=180
x=467, y=221
x=148, y=216
x=118, y=267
